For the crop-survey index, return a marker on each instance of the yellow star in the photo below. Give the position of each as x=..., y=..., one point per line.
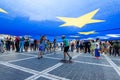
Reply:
x=87, y=33
x=3, y=11
x=80, y=21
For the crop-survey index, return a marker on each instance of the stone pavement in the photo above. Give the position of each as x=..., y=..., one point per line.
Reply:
x=26, y=66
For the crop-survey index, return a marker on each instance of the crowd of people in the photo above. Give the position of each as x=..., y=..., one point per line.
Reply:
x=93, y=47
x=65, y=43
x=23, y=44
x=106, y=47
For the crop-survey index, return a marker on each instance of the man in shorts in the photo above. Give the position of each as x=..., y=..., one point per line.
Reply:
x=66, y=48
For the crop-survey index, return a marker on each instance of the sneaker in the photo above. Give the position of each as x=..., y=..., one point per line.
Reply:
x=70, y=61
x=38, y=57
x=65, y=61
x=41, y=56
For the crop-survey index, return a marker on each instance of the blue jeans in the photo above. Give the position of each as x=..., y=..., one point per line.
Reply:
x=21, y=46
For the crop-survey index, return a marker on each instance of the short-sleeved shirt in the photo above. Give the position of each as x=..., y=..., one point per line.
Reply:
x=66, y=42
x=97, y=45
x=93, y=45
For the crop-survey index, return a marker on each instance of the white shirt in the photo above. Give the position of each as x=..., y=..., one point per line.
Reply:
x=97, y=45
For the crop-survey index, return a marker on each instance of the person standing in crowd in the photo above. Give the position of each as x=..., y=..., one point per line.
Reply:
x=105, y=47
x=81, y=46
x=35, y=45
x=92, y=47
x=77, y=46
x=31, y=42
x=84, y=42
x=54, y=45
x=108, y=46
x=101, y=47
x=61, y=46
x=119, y=47
x=66, y=48
x=17, y=40
x=87, y=47
x=97, y=49
x=1, y=46
x=8, y=43
x=42, y=47
x=26, y=45
x=12, y=44
x=21, y=44
x=116, y=47
x=72, y=47
x=48, y=46
x=111, y=47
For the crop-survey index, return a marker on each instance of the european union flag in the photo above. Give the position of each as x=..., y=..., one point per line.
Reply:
x=87, y=19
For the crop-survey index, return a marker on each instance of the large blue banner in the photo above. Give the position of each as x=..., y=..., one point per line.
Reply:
x=81, y=18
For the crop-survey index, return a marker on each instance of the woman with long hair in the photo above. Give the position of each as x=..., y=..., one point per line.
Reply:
x=41, y=47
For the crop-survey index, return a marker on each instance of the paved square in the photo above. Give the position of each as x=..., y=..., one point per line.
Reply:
x=8, y=73
x=37, y=64
x=79, y=71
x=13, y=56
x=117, y=62
x=92, y=60
x=26, y=66
x=42, y=78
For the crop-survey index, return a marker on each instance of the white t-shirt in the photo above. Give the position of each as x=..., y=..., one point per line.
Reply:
x=97, y=45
